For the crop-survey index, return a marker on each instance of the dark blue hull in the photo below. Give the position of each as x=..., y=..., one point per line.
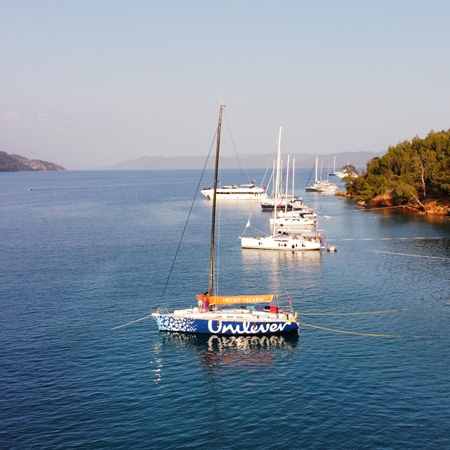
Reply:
x=168, y=322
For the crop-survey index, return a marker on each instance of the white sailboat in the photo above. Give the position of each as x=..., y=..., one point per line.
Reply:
x=298, y=215
x=339, y=174
x=324, y=187
x=283, y=200
x=282, y=240
x=237, y=315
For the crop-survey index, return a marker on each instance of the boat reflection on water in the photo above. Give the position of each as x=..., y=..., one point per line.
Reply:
x=231, y=205
x=249, y=254
x=254, y=260
x=231, y=351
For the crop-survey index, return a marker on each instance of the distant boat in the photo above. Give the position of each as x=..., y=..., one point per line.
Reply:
x=295, y=219
x=30, y=189
x=236, y=192
x=324, y=187
x=282, y=203
x=241, y=315
x=339, y=174
x=295, y=214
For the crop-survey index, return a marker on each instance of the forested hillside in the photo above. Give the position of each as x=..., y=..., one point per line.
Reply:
x=17, y=163
x=414, y=173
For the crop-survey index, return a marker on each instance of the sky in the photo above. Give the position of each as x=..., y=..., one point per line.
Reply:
x=86, y=84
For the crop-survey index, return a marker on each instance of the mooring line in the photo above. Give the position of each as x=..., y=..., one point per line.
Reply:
x=353, y=313
x=416, y=238
x=130, y=323
x=409, y=254
x=350, y=332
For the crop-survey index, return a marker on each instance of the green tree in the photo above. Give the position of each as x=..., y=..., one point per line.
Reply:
x=410, y=172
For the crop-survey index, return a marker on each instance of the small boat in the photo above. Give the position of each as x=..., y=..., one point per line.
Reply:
x=236, y=192
x=30, y=189
x=323, y=187
x=285, y=201
x=331, y=248
x=268, y=204
x=236, y=315
x=293, y=219
x=339, y=173
x=298, y=205
x=298, y=215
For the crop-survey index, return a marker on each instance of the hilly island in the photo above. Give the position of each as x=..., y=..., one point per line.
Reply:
x=17, y=163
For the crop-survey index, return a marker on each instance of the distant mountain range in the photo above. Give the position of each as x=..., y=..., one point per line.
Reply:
x=305, y=160
x=17, y=163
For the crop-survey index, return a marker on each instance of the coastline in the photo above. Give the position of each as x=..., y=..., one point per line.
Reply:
x=432, y=207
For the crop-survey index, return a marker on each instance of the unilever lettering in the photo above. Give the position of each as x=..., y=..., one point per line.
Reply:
x=216, y=326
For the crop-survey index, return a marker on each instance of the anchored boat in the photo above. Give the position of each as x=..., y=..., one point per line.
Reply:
x=229, y=315
x=236, y=192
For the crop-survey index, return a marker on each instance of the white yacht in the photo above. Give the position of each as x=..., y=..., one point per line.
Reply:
x=237, y=192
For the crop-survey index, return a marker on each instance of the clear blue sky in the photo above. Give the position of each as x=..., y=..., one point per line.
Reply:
x=88, y=83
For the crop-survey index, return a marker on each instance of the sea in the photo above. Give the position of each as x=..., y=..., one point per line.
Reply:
x=87, y=256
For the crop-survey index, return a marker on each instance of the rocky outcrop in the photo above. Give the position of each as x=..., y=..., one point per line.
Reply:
x=17, y=163
x=435, y=208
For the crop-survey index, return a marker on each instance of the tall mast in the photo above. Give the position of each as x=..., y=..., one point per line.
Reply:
x=213, y=221
x=293, y=176
x=277, y=184
x=317, y=163
x=287, y=185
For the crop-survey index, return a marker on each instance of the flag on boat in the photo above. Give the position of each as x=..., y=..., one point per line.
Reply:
x=248, y=224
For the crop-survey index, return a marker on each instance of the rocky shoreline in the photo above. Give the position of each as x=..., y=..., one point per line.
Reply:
x=430, y=207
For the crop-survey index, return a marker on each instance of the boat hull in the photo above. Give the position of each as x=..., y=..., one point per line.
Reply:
x=323, y=187
x=281, y=244
x=236, y=194
x=292, y=222
x=211, y=325
x=270, y=206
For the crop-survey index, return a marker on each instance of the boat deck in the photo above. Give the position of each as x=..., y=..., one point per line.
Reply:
x=235, y=314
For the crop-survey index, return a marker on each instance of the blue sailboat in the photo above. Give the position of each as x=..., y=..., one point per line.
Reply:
x=236, y=315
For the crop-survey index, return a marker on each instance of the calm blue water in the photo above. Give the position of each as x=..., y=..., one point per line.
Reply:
x=87, y=251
